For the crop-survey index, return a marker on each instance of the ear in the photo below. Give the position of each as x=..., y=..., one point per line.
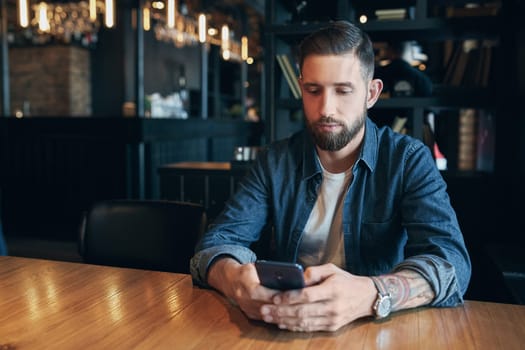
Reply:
x=375, y=86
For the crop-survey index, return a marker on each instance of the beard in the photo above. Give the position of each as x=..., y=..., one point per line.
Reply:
x=334, y=141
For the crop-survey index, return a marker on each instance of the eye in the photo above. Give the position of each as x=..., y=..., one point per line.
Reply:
x=344, y=91
x=312, y=90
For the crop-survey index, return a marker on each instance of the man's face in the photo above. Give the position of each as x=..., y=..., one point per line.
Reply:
x=334, y=99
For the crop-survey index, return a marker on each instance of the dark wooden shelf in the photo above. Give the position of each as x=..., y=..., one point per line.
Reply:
x=435, y=29
x=437, y=102
x=129, y=130
x=429, y=29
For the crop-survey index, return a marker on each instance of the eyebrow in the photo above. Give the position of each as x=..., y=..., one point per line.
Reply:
x=341, y=84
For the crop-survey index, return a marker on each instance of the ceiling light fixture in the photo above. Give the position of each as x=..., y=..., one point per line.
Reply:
x=170, y=14
x=202, y=28
x=225, y=42
x=67, y=22
x=109, y=18
x=23, y=13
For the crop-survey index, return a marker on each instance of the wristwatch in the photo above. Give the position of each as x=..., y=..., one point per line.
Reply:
x=383, y=304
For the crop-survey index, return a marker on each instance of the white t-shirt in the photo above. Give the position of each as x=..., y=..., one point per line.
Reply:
x=323, y=240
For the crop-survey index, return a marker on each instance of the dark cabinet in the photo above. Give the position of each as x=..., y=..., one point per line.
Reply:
x=53, y=169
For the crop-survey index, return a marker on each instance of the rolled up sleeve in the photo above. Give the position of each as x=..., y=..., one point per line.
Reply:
x=202, y=260
x=440, y=274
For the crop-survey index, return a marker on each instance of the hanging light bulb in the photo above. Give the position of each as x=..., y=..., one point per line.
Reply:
x=146, y=13
x=93, y=10
x=23, y=13
x=202, y=28
x=43, y=21
x=244, y=48
x=109, y=18
x=225, y=42
x=171, y=13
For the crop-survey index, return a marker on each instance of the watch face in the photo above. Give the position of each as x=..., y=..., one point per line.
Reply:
x=384, y=305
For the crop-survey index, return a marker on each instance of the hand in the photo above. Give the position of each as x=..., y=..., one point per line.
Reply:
x=240, y=283
x=332, y=299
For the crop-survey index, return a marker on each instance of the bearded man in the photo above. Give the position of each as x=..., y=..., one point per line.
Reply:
x=363, y=209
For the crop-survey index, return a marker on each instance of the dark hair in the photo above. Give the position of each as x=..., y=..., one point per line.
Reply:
x=337, y=38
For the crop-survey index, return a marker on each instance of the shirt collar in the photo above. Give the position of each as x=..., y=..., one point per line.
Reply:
x=311, y=165
x=370, y=145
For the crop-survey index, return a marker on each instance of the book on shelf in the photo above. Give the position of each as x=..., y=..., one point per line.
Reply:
x=451, y=53
x=289, y=75
x=468, y=63
x=448, y=51
x=487, y=52
x=462, y=61
x=475, y=140
x=390, y=14
x=472, y=71
x=467, y=139
x=430, y=138
x=399, y=124
x=485, y=142
x=474, y=10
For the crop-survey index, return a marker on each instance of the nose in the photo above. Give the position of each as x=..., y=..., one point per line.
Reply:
x=327, y=101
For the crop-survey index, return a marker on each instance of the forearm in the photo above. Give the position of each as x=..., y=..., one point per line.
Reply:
x=408, y=289
x=443, y=276
x=220, y=273
x=202, y=262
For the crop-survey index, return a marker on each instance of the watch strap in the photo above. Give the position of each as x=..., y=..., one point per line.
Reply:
x=383, y=300
x=379, y=286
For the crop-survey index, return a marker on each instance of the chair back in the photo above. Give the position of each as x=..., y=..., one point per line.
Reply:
x=144, y=234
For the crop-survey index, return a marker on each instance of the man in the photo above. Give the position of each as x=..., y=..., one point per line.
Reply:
x=363, y=209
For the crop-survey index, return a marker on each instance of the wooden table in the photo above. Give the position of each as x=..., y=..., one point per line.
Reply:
x=59, y=305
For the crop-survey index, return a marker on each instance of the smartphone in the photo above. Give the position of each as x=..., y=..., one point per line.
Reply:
x=280, y=275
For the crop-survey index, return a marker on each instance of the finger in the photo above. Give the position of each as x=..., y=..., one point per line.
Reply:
x=266, y=294
x=316, y=274
x=307, y=318
x=314, y=294
x=251, y=288
x=302, y=323
x=294, y=315
x=311, y=324
x=304, y=318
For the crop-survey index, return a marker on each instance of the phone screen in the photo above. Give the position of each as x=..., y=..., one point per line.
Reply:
x=280, y=275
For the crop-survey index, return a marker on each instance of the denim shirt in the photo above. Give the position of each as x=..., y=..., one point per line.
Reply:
x=397, y=214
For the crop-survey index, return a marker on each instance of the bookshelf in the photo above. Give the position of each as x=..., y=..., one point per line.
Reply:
x=442, y=29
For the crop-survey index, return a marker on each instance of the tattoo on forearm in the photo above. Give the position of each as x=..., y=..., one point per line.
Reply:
x=407, y=289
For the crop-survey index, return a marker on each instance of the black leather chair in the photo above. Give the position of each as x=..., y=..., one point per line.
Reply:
x=144, y=234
